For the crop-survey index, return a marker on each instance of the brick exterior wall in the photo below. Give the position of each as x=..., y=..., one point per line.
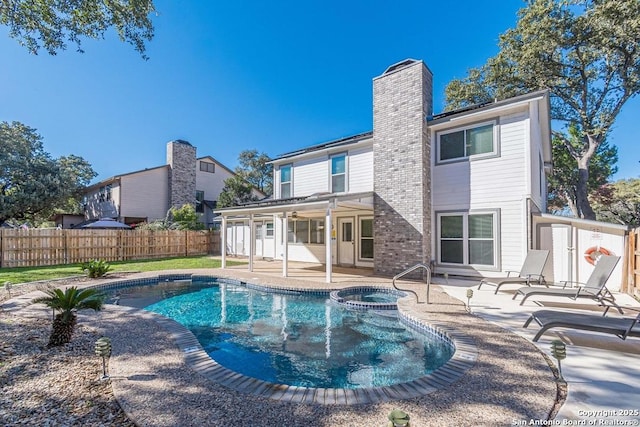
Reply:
x=181, y=157
x=402, y=99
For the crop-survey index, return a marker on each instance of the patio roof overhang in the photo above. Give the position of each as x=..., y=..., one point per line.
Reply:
x=317, y=202
x=315, y=205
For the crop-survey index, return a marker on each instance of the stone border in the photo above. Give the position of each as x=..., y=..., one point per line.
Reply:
x=339, y=298
x=464, y=357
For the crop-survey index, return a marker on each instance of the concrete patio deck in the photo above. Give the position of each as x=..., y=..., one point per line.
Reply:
x=602, y=371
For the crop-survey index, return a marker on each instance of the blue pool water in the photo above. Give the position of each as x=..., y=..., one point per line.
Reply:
x=292, y=339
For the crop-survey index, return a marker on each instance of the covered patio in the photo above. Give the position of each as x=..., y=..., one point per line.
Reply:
x=323, y=208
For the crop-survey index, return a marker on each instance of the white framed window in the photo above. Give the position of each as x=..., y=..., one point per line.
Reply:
x=478, y=140
x=285, y=181
x=269, y=230
x=339, y=173
x=306, y=231
x=468, y=238
x=366, y=238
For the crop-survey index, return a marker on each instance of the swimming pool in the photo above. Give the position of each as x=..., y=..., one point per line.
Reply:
x=293, y=338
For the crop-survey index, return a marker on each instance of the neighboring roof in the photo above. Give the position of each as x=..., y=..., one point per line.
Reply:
x=331, y=144
x=117, y=177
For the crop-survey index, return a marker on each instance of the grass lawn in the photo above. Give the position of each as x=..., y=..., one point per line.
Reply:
x=32, y=274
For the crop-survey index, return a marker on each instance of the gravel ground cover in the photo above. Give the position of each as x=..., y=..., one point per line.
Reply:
x=150, y=384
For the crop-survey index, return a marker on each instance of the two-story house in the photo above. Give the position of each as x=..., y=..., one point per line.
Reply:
x=457, y=190
x=146, y=195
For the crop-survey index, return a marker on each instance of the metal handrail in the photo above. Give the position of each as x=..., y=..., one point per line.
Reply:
x=409, y=270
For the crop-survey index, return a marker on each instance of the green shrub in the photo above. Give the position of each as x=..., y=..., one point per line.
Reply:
x=96, y=268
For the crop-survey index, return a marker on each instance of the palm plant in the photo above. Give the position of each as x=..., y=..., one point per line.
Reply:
x=65, y=304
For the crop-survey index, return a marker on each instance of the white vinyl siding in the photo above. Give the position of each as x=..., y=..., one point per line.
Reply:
x=310, y=177
x=484, y=182
x=361, y=170
x=311, y=173
x=490, y=183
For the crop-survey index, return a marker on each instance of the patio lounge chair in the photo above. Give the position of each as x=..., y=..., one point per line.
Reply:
x=620, y=327
x=531, y=272
x=594, y=289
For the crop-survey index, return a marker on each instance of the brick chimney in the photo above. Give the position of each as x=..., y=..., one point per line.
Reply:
x=181, y=158
x=402, y=100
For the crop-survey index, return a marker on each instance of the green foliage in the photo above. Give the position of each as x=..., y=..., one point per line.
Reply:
x=32, y=184
x=95, y=268
x=65, y=304
x=50, y=24
x=563, y=180
x=255, y=169
x=236, y=191
x=586, y=52
x=618, y=202
x=185, y=218
x=182, y=218
x=254, y=172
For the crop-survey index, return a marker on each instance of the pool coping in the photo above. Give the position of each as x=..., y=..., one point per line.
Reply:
x=464, y=357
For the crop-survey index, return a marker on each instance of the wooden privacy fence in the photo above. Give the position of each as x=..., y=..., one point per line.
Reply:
x=633, y=263
x=36, y=247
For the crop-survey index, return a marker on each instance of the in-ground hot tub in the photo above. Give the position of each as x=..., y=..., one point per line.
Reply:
x=367, y=298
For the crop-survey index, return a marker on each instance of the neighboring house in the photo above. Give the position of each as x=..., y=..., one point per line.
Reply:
x=146, y=195
x=458, y=191
x=67, y=220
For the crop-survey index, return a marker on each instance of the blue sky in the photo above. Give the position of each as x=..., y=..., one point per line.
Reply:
x=234, y=75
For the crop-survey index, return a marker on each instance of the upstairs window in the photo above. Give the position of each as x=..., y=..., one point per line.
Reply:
x=477, y=140
x=208, y=167
x=285, y=181
x=338, y=173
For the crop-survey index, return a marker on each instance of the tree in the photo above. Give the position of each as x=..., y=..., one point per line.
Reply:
x=586, y=52
x=562, y=182
x=235, y=192
x=31, y=182
x=49, y=24
x=185, y=218
x=66, y=303
x=255, y=169
x=618, y=202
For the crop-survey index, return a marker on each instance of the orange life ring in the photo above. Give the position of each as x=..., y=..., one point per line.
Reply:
x=594, y=253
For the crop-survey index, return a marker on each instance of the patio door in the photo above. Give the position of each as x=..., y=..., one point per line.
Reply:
x=346, y=242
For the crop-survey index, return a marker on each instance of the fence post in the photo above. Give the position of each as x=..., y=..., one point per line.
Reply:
x=1, y=247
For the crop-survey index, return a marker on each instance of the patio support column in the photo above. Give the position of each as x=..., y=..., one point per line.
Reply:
x=251, y=242
x=327, y=245
x=285, y=246
x=223, y=241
